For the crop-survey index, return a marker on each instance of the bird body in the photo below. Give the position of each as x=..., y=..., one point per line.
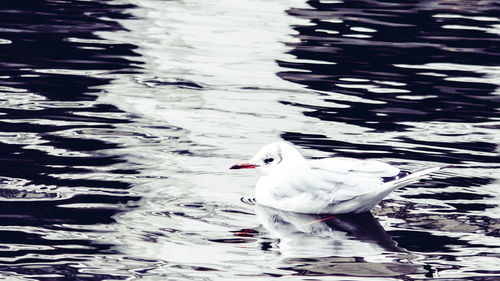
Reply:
x=326, y=186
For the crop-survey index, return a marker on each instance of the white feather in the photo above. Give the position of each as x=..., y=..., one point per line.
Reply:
x=333, y=185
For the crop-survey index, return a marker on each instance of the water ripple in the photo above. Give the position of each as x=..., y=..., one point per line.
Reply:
x=119, y=122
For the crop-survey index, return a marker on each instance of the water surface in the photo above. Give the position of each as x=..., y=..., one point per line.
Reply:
x=119, y=120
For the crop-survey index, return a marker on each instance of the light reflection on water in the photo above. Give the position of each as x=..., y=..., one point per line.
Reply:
x=117, y=147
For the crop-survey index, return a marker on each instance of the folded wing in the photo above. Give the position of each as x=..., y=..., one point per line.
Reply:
x=342, y=179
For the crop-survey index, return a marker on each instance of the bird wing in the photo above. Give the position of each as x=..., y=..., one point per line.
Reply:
x=345, y=178
x=371, y=168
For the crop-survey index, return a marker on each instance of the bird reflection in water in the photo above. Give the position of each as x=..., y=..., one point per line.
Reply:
x=340, y=244
x=325, y=235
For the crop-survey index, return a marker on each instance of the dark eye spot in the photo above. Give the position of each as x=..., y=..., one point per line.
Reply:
x=268, y=160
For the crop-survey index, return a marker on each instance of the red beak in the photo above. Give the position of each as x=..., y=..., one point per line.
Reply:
x=244, y=166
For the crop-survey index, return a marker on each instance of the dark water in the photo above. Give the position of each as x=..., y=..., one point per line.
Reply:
x=119, y=120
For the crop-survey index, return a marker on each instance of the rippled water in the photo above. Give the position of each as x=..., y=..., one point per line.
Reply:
x=119, y=120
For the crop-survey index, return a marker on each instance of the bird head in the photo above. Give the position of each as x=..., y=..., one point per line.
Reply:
x=271, y=156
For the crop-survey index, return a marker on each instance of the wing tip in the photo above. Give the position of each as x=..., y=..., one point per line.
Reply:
x=414, y=176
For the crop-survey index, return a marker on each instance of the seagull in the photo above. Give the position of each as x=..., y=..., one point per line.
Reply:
x=337, y=185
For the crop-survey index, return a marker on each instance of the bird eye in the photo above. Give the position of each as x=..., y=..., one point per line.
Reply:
x=268, y=160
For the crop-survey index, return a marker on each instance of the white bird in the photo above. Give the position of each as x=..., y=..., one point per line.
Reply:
x=325, y=186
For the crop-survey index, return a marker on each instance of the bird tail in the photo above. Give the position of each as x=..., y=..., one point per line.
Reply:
x=388, y=187
x=411, y=178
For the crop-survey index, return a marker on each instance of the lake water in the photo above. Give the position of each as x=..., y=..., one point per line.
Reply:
x=119, y=121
